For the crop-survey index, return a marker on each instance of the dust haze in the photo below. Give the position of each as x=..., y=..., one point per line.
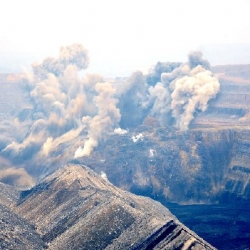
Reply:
x=72, y=112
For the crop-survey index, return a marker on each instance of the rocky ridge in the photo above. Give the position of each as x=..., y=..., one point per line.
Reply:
x=74, y=208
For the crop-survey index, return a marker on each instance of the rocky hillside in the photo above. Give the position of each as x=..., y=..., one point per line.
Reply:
x=17, y=233
x=74, y=208
x=8, y=195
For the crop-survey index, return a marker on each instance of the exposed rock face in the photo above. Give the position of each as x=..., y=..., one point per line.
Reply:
x=74, y=208
x=198, y=166
x=17, y=233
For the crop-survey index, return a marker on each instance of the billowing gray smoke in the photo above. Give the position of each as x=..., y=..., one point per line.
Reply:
x=192, y=93
x=132, y=99
x=160, y=99
x=195, y=59
x=154, y=75
x=75, y=55
x=67, y=109
x=108, y=114
x=188, y=88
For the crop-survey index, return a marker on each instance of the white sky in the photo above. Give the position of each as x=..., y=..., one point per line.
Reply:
x=124, y=35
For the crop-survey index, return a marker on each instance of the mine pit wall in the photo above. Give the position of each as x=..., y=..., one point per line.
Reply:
x=202, y=168
x=214, y=149
x=194, y=167
x=238, y=176
x=224, y=173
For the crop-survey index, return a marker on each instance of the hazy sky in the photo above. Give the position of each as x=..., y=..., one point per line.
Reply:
x=124, y=35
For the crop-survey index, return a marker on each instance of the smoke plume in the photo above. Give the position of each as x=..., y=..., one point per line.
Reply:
x=195, y=59
x=75, y=55
x=160, y=98
x=120, y=131
x=156, y=71
x=68, y=110
x=192, y=93
x=108, y=116
x=16, y=177
x=182, y=92
x=133, y=100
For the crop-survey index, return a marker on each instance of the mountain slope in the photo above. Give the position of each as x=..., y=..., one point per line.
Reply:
x=74, y=208
x=15, y=231
x=8, y=194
